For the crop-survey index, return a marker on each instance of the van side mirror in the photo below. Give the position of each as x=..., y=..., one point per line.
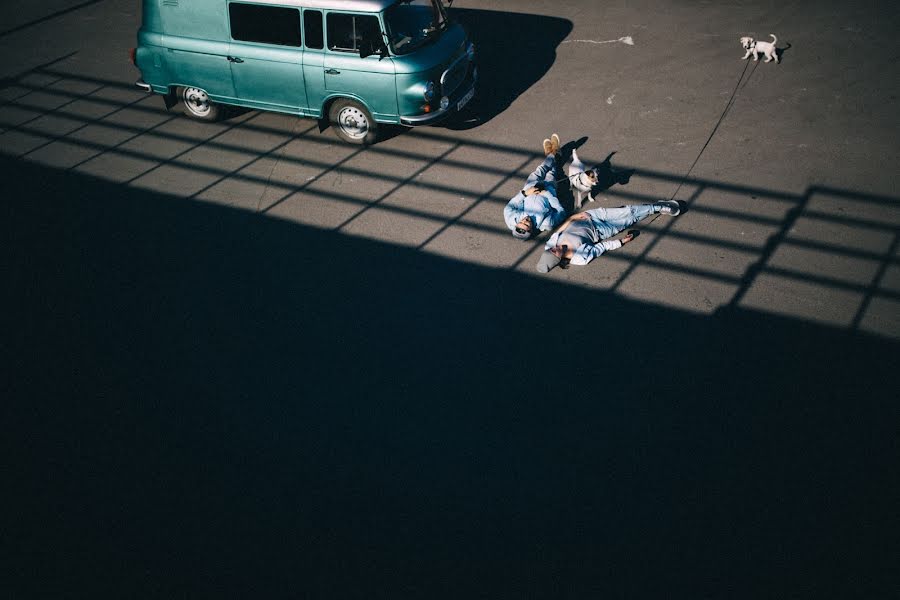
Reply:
x=370, y=47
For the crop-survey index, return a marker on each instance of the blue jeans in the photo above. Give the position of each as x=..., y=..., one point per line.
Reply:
x=546, y=173
x=610, y=221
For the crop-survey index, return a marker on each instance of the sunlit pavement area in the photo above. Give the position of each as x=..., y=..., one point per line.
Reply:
x=791, y=201
x=341, y=357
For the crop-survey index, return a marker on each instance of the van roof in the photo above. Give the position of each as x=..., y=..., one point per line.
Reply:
x=351, y=5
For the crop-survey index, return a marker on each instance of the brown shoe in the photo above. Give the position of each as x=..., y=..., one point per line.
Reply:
x=548, y=147
x=554, y=143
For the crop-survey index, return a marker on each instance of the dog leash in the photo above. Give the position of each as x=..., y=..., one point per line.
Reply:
x=569, y=177
x=702, y=150
x=713, y=132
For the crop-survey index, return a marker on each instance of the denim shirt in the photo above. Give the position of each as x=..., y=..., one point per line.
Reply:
x=544, y=208
x=585, y=237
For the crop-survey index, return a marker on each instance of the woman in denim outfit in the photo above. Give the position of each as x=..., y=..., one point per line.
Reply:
x=583, y=237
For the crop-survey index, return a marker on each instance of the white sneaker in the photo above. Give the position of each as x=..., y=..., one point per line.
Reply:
x=669, y=207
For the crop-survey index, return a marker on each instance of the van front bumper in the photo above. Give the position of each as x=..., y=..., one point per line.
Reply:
x=465, y=96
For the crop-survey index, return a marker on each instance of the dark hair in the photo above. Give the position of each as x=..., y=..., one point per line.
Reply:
x=521, y=232
x=564, y=262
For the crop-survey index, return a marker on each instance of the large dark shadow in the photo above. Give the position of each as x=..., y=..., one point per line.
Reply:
x=514, y=52
x=205, y=402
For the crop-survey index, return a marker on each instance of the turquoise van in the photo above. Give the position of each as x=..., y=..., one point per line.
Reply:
x=356, y=63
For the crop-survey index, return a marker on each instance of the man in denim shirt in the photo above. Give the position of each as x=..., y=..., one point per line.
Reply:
x=536, y=207
x=583, y=237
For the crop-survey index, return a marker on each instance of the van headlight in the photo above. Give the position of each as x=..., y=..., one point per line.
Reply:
x=429, y=91
x=470, y=51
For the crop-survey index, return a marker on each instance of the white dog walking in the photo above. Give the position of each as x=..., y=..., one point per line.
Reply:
x=756, y=47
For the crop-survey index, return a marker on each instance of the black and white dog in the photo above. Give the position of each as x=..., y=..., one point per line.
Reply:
x=580, y=180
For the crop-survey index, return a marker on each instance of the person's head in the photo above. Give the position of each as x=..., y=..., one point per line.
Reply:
x=557, y=256
x=524, y=228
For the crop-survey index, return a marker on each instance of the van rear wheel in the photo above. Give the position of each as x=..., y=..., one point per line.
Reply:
x=352, y=122
x=197, y=105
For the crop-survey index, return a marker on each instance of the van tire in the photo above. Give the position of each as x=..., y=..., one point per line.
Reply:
x=197, y=105
x=352, y=122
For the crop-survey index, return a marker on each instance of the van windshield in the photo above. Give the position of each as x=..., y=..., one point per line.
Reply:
x=413, y=23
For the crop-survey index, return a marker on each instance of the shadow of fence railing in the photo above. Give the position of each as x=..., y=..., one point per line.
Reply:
x=204, y=398
x=94, y=119
x=201, y=398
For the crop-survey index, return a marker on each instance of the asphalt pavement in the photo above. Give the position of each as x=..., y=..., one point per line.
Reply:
x=245, y=358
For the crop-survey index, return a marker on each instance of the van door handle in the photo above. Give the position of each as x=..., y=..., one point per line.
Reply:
x=332, y=72
x=234, y=59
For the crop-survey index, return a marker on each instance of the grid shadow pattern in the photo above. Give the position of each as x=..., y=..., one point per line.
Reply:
x=827, y=255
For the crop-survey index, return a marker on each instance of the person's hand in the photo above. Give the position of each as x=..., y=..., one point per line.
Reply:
x=627, y=238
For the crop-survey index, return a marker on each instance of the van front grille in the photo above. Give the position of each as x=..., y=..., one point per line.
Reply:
x=455, y=75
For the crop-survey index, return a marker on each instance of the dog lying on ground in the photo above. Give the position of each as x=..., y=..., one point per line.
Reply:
x=581, y=181
x=755, y=47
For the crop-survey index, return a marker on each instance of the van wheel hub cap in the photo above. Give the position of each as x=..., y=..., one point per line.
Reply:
x=196, y=100
x=353, y=122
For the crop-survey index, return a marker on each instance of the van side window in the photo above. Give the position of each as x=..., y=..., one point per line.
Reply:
x=266, y=24
x=312, y=27
x=347, y=32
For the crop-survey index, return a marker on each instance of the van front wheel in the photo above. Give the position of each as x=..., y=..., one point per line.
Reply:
x=197, y=105
x=352, y=122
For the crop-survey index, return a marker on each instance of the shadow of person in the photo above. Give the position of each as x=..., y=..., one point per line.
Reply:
x=513, y=50
x=565, y=151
